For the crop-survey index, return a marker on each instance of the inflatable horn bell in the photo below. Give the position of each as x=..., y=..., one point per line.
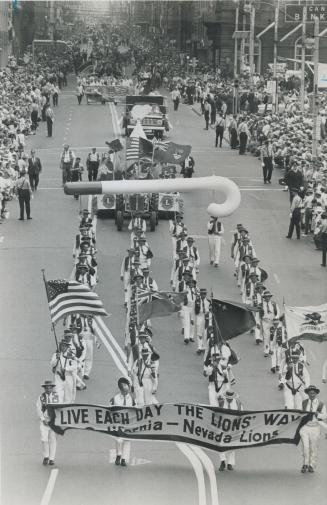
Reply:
x=212, y=183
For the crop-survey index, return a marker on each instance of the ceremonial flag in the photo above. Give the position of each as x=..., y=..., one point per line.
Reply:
x=137, y=148
x=232, y=318
x=202, y=425
x=65, y=297
x=158, y=304
x=115, y=145
x=171, y=153
x=306, y=323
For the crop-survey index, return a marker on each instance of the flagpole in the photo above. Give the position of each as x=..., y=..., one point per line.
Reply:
x=215, y=321
x=47, y=292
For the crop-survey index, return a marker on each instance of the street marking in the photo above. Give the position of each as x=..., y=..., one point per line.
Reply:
x=276, y=278
x=121, y=368
x=110, y=336
x=50, y=486
x=198, y=470
x=207, y=463
x=2, y=239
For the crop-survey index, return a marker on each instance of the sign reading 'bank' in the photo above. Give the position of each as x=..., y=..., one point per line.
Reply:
x=206, y=426
x=294, y=13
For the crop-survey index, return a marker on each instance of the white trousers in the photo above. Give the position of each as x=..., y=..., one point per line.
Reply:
x=127, y=283
x=88, y=356
x=266, y=325
x=276, y=357
x=257, y=331
x=200, y=330
x=123, y=448
x=293, y=401
x=228, y=456
x=49, y=442
x=187, y=322
x=214, y=248
x=144, y=395
x=213, y=395
x=310, y=442
x=66, y=390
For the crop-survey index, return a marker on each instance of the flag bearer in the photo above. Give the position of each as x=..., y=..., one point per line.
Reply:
x=228, y=401
x=187, y=310
x=123, y=398
x=217, y=373
x=64, y=367
x=310, y=432
x=48, y=436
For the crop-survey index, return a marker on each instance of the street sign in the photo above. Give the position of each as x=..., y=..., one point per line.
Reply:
x=294, y=13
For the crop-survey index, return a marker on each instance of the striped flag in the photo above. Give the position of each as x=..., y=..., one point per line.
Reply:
x=65, y=297
x=138, y=148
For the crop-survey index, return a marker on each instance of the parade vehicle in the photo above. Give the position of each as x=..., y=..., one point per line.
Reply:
x=150, y=110
x=150, y=206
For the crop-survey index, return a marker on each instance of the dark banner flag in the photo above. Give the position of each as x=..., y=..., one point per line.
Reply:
x=209, y=427
x=232, y=318
x=171, y=152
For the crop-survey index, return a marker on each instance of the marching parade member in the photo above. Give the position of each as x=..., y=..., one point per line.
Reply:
x=181, y=242
x=80, y=361
x=216, y=371
x=89, y=337
x=149, y=282
x=202, y=318
x=310, y=432
x=249, y=289
x=278, y=339
x=268, y=311
x=137, y=221
x=145, y=252
x=187, y=309
x=144, y=378
x=178, y=268
x=228, y=401
x=244, y=269
x=245, y=249
x=192, y=253
x=175, y=228
x=123, y=398
x=48, y=436
x=295, y=378
x=64, y=368
x=215, y=231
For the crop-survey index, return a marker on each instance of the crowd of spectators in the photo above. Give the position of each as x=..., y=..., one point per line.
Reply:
x=26, y=90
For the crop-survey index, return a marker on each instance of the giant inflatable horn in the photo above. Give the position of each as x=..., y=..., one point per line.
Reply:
x=213, y=183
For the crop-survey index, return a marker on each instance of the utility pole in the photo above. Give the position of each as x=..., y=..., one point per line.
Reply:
x=235, y=41
x=251, y=44
x=304, y=31
x=275, y=95
x=315, y=112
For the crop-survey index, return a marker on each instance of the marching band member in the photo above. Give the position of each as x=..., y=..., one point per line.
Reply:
x=187, y=310
x=137, y=221
x=245, y=267
x=48, y=436
x=144, y=378
x=149, y=282
x=125, y=274
x=175, y=228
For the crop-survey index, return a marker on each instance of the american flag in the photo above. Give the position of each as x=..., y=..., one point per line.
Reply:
x=66, y=297
x=138, y=148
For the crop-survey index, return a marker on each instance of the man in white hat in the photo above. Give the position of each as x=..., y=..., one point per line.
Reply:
x=310, y=432
x=48, y=436
x=229, y=401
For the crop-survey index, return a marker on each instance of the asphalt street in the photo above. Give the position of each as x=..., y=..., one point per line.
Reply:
x=160, y=473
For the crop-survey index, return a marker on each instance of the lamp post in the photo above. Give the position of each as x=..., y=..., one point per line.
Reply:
x=304, y=31
x=275, y=95
x=235, y=41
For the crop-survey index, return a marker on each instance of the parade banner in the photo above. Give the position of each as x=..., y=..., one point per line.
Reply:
x=306, y=323
x=209, y=427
